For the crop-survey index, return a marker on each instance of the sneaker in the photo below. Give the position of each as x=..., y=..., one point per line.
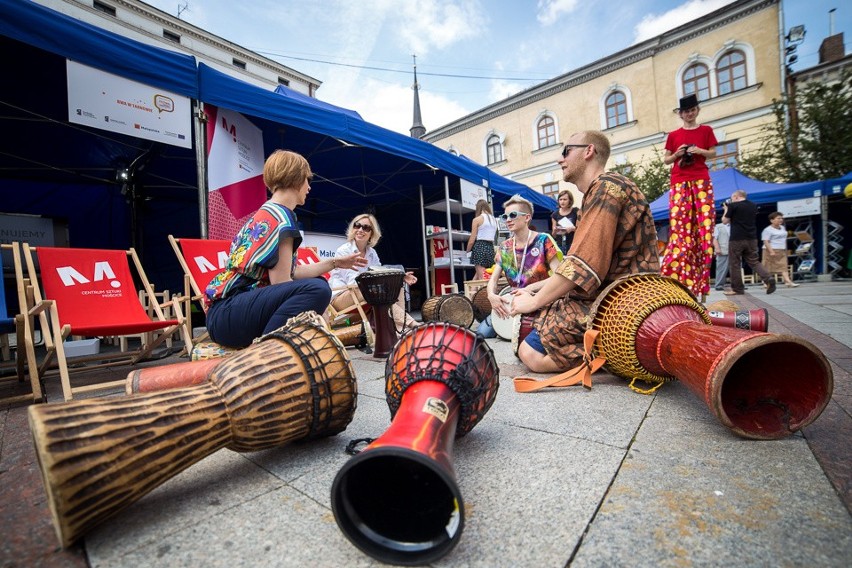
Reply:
x=770, y=286
x=719, y=289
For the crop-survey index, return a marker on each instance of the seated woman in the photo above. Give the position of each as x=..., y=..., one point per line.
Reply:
x=261, y=287
x=362, y=235
x=525, y=258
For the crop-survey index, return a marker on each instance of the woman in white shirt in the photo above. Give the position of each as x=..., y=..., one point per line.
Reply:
x=480, y=245
x=361, y=236
x=774, y=239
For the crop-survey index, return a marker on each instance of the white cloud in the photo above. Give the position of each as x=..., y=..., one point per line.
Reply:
x=549, y=11
x=653, y=25
x=438, y=24
x=391, y=106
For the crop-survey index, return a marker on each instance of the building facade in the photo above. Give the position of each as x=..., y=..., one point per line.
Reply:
x=144, y=23
x=731, y=58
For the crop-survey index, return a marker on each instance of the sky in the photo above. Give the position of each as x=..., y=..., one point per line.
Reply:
x=470, y=53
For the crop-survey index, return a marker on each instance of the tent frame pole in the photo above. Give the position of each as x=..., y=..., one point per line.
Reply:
x=426, y=279
x=201, y=166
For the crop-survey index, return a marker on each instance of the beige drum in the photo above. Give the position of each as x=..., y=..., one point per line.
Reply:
x=504, y=327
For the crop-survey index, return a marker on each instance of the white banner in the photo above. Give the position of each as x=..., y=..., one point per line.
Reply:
x=236, y=152
x=325, y=243
x=800, y=207
x=109, y=102
x=471, y=193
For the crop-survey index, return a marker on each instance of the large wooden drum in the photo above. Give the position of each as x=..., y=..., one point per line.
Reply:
x=481, y=304
x=456, y=309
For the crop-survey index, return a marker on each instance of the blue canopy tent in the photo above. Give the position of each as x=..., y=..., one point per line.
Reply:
x=66, y=171
x=727, y=181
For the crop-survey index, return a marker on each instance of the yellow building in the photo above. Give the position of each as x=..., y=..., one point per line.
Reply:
x=730, y=58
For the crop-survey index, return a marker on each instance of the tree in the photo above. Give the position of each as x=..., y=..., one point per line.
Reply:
x=652, y=177
x=816, y=144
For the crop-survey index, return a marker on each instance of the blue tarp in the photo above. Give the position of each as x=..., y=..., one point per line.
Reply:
x=727, y=181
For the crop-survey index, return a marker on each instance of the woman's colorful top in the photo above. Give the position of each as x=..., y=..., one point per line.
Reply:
x=523, y=265
x=254, y=251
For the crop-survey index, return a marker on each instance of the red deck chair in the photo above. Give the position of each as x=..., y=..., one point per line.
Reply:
x=201, y=260
x=95, y=295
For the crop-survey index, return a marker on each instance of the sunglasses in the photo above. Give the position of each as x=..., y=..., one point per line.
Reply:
x=567, y=148
x=365, y=228
x=513, y=215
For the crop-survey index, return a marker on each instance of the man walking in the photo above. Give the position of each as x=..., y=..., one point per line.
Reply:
x=721, y=238
x=741, y=212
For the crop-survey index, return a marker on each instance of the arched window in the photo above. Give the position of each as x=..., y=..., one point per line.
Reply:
x=731, y=72
x=546, y=132
x=616, y=109
x=494, y=149
x=696, y=79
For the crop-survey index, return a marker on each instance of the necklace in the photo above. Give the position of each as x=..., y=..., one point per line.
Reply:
x=520, y=266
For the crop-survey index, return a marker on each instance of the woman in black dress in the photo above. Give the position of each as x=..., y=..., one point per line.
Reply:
x=563, y=231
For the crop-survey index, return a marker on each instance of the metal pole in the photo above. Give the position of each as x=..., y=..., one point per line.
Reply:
x=201, y=166
x=426, y=275
x=449, y=230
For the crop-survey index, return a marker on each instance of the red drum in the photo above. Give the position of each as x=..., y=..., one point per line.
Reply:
x=397, y=500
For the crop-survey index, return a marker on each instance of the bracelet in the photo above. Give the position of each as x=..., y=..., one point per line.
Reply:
x=333, y=263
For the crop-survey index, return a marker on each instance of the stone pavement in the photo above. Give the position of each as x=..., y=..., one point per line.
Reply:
x=605, y=477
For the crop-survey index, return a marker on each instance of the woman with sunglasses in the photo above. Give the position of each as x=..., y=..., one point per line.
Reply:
x=563, y=221
x=362, y=235
x=525, y=258
x=480, y=245
x=262, y=286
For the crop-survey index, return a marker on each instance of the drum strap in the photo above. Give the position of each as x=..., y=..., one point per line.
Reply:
x=581, y=374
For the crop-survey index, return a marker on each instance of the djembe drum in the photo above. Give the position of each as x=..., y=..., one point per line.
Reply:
x=397, y=500
x=481, y=304
x=760, y=385
x=98, y=456
x=381, y=288
x=456, y=309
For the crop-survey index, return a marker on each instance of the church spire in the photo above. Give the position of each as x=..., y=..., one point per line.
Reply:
x=417, y=129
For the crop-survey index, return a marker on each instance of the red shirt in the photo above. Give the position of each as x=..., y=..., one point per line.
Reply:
x=702, y=137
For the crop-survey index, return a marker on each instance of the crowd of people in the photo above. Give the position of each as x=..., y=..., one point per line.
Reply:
x=555, y=275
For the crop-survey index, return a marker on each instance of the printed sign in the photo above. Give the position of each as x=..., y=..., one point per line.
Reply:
x=109, y=102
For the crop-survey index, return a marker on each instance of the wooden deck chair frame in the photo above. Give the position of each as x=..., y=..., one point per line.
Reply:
x=193, y=291
x=55, y=333
x=25, y=331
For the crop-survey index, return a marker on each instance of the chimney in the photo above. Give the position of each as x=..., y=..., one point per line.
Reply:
x=832, y=48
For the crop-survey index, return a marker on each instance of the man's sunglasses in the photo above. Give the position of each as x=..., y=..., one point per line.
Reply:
x=365, y=228
x=513, y=215
x=567, y=148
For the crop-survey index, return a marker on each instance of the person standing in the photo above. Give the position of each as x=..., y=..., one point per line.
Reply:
x=563, y=221
x=740, y=212
x=774, y=239
x=721, y=238
x=692, y=213
x=616, y=237
x=480, y=245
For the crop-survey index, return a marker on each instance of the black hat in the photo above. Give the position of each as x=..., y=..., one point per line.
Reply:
x=687, y=102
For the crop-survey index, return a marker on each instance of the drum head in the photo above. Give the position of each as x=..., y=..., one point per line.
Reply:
x=504, y=327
